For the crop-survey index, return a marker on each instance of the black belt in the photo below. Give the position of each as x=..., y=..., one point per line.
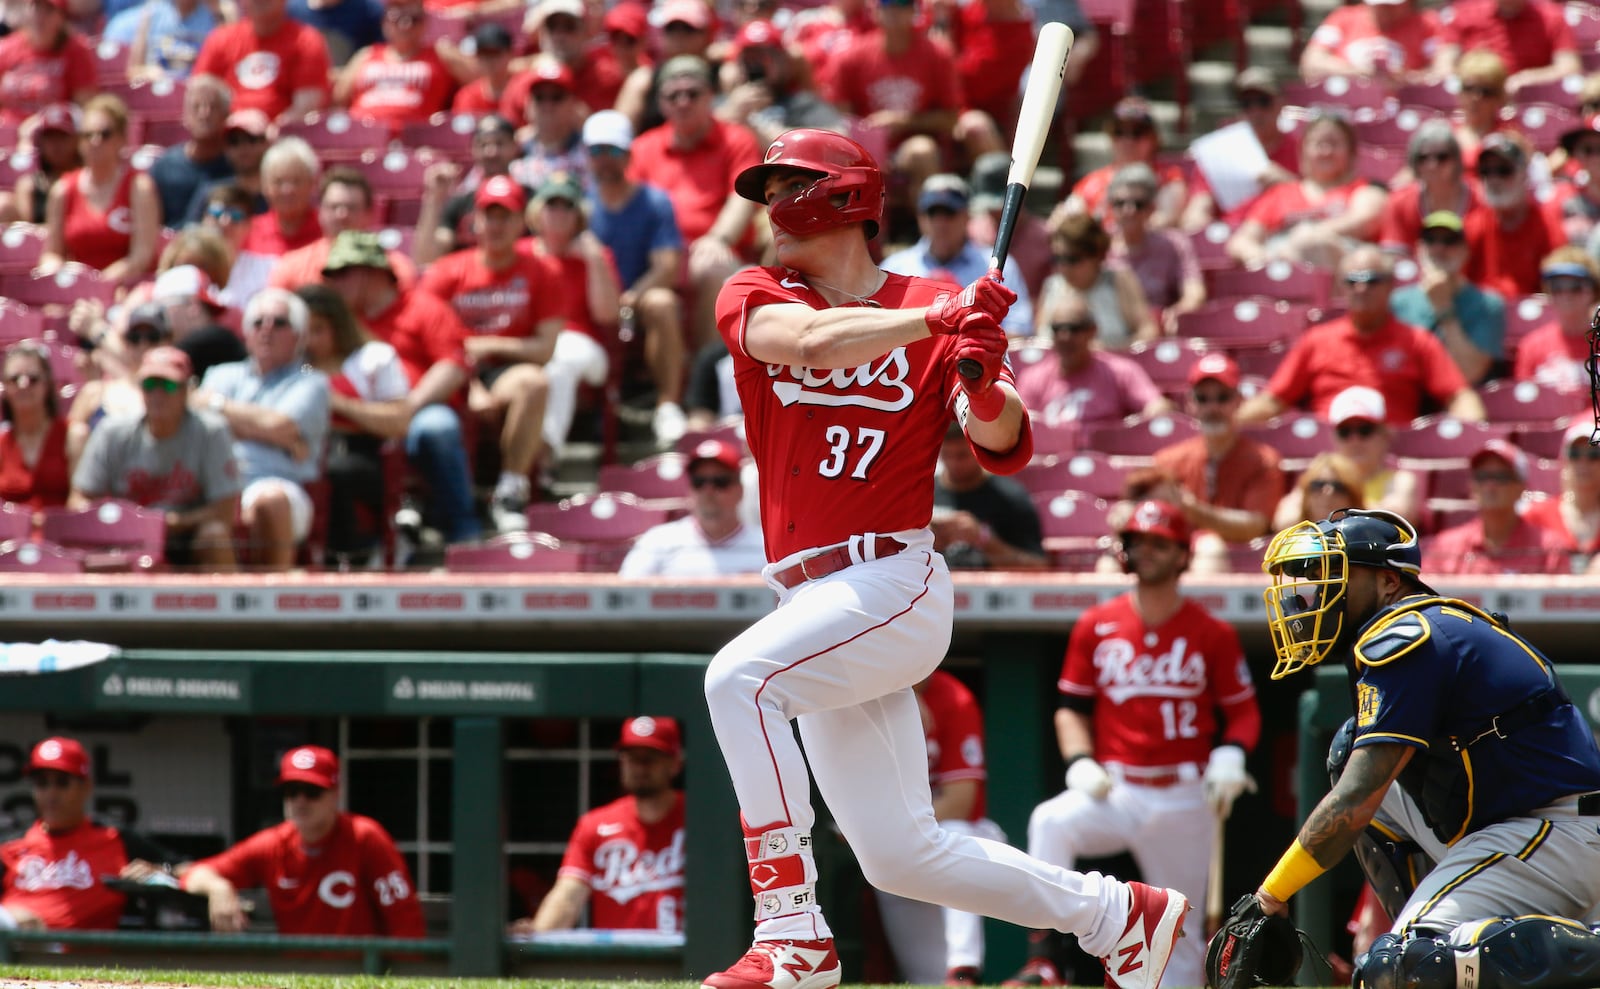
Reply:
x=1589, y=805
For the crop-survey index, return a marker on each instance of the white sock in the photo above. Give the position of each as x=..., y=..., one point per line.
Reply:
x=511, y=485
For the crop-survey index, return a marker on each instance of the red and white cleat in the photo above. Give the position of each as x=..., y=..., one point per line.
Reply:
x=781, y=965
x=1154, y=924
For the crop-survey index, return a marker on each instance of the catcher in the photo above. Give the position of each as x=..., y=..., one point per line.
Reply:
x=1498, y=773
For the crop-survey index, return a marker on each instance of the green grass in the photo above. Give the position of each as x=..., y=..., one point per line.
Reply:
x=289, y=980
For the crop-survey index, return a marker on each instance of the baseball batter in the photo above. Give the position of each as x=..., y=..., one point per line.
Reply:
x=1498, y=773
x=1157, y=712
x=848, y=377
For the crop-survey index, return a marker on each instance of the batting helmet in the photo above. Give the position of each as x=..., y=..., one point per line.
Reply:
x=1310, y=566
x=848, y=189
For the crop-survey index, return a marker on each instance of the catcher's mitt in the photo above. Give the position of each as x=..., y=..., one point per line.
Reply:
x=1252, y=949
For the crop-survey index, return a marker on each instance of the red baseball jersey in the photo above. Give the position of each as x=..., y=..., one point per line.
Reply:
x=354, y=883
x=397, y=90
x=953, y=724
x=31, y=79
x=634, y=870
x=423, y=330
x=1156, y=691
x=265, y=73
x=57, y=876
x=863, y=441
x=508, y=303
x=92, y=237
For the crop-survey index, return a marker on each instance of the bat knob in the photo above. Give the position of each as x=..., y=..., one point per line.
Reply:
x=969, y=369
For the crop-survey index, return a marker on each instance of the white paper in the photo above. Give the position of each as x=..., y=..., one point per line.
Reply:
x=1233, y=161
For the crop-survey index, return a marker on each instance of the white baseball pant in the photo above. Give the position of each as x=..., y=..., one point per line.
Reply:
x=928, y=940
x=839, y=656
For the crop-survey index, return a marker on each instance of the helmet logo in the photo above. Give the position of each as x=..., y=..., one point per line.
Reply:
x=775, y=151
x=1148, y=516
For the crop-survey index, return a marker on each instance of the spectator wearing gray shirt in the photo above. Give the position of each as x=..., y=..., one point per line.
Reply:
x=169, y=458
x=277, y=408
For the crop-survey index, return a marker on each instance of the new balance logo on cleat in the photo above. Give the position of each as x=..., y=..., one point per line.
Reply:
x=782, y=965
x=1155, y=922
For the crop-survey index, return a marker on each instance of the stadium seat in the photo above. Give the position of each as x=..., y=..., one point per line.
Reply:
x=163, y=133
x=1074, y=528
x=1286, y=280
x=449, y=135
x=664, y=476
x=522, y=552
x=1543, y=124
x=1141, y=438
x=1089, y=472
x=109, y=535
x=1167, y=361
x=1211, y=247
x=16, y=521
x=1443, y=438
x=1297, y=438
x=1250, y=322
x=1439, y=97
x=1379, y=164
x=1353, y=95
x=599, y=518
x=1056, y=438
x=17, y=556
x=110, y=63
x=1523, y=316
x=1509, y=401
x=21, y=247
x=73, y=282
x=1556, y=92
x=1455, y=483
x=339, y=137
x=158, y=100
x=1546, y=442
x=14, y=164
x=726, y=432
x=1585, y=23
x=1392, y=133
x=399, y=239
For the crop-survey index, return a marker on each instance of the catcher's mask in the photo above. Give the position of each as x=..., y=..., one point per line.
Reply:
x=1593, y=367
x=1310, y=568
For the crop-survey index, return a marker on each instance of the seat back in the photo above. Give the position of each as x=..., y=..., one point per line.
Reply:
x=18, y=556
x=1141, y=438
x=110, y=534
x=522, y=552
x=1288, y=280
x=1444, y=438
x=663, y=476
x=601, y=518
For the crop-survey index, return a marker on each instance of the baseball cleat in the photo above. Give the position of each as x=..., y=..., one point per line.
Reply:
x=1037, y=972
x=781, y=965
x=1155, y=922
x=963, y=975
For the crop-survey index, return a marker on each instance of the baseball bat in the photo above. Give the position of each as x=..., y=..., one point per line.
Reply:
x=1033, y=126
x=1214, y=882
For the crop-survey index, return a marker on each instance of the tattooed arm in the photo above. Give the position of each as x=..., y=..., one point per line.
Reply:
x=1336, y=822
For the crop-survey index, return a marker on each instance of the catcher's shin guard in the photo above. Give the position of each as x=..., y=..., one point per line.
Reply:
x=1506, y=953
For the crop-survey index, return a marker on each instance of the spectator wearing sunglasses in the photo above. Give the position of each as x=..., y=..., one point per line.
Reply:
x=1510, y=237
x=400, y=79
x=1134, y=139
x=325, y=870
x=246, y=136
x=1575, y=511
x=1079, y=246
x=711, y=540
x=1260, y=104
x=1579, y=198
x=1331, y=481
x=53, y=876
x=1482, y=96
x=1359, y=417
x=565, y=31
x=1387, y=40
x=1499, y=540
x=34, y=468
x=765, y=90
x=1531, y=37
x=170, y=458
x=277, y=408
x=1553, y=355
x=201, y=158
x=1468, y=320
x=1438, y=183
x=117, y=354
x=981, y=521
x=1162, y=260
x=1367, y=346
x=1076, y=381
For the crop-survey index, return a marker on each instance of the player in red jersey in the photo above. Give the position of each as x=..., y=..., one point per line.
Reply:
x=326, y=871
x=848, y=378
x=625, y=860
x=1145, y=678
x=51, y=877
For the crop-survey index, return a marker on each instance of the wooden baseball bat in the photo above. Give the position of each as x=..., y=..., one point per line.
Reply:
x=1214, y=881
x=1033, y=126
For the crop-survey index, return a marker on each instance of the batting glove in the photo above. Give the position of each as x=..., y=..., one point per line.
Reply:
x=1226, y=779
x=982, y=340
x=985, y=295
x=1088, y=777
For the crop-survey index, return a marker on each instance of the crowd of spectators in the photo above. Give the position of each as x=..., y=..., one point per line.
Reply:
x=330, y=283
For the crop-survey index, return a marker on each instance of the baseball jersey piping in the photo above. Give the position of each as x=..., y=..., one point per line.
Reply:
x=1455, y=884
x=788, y=821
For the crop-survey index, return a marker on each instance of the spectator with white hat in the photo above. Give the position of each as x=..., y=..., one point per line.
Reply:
x=1360, y=420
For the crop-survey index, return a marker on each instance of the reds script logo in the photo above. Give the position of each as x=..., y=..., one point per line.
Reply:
x=847, y=386
x=36, y=873
x=1124, y=674
x=623, y=872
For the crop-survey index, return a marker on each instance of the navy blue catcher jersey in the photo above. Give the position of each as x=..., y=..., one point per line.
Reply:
x=1442, y=673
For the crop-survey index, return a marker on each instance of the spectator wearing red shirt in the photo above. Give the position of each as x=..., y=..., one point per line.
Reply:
x=693, y=158
x=344, y=203
x=1498, y=541
x=401, y=79
x=1385, y=40
x=491, y=60
x=564, y=32
x=44, y=62
x=908, y=86
x=1554, y=354
x=1578, y=200
x=514, y=305
x=34, y=467
x=1133, y=139
x=986, y=36
x=1321, y=216
x=767, y=90
x=1368, y=346
x=1510, y=236
x=106, y=214
x=272, y=62
x=1530, y=36
x=431, y=342
x=1575, y=511
x=1260, y=105
x=1434, y=158
x=822, y=34
x=325, y=871
x=444, y=223
x=289, y=176
x=687, y=28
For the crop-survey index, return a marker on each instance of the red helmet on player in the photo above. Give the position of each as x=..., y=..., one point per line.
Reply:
x=1157, y=518
x=849, y=187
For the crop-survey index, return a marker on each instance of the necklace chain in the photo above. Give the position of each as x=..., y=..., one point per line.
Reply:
x=864, y=299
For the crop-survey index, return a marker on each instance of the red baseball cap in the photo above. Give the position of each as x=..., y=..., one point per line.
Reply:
x=167, y=363
x=645, y=732
x=1216, y=367
x=548, y=70
x=756, y=34
x=691, y=12
x=631, y=19
x=60, y=117
x=1158, y=518
x=309, y=764
x=723, y=453
x=63, y=755
x=500, y=190
x=1517, y=459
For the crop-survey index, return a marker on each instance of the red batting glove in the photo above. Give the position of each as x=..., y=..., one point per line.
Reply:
x=986, y=295
x=983, y=340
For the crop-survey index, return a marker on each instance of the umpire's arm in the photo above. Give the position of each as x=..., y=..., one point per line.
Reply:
x=1333, y=826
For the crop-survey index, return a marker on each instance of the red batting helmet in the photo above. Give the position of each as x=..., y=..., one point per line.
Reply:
x=849, y=187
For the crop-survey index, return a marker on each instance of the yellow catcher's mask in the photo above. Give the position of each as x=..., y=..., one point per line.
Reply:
x=1310, y=568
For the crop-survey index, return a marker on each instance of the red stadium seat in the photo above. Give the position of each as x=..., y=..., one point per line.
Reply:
x=450, y=135
x=339, y=137
x=1393, y=133
x=110, y=63
x=24, y=557
x=522, y=552
x=1379, y=164
x=73, y=282
x=15, y=164
x=1546, y=442
x=1354, y=95
x=1141, y=438
x=1525, y=315
x=158, y=100
x=1543, y=124
x=1253, y=322
x=726, y=432
x=599, y=518
x=16, y=521
x=1074, y=528
x=1584, y=20
x=1090, y=473
x=663, y=476
x=1556, y=92
x=1297, y=438
x=21, y=247
x=1455, y=483
x=1168, y=361
x=1211, y=247
x=1528, y=402
x=1446, y=438
x=398, y=239
x=1280, y=279
x=394, y=174
x=1440, y=97
x=163, y=133
x=109, y=535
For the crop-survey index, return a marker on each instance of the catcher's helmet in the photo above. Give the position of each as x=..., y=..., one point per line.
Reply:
x=1157, y=518
x=1310, y=564
x=848, y=189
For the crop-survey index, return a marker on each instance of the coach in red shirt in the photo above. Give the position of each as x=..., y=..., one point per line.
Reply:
x=1530, y=36
x=270, y=61
x=1368, y=346
x=326, y=871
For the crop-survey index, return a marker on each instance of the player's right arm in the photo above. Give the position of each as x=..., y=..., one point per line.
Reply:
x=1074, y=733
x=222, y=900
x=794, y=333
x=560, y=910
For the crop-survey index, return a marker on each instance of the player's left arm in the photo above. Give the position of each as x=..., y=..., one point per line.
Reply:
x=1339, y=818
